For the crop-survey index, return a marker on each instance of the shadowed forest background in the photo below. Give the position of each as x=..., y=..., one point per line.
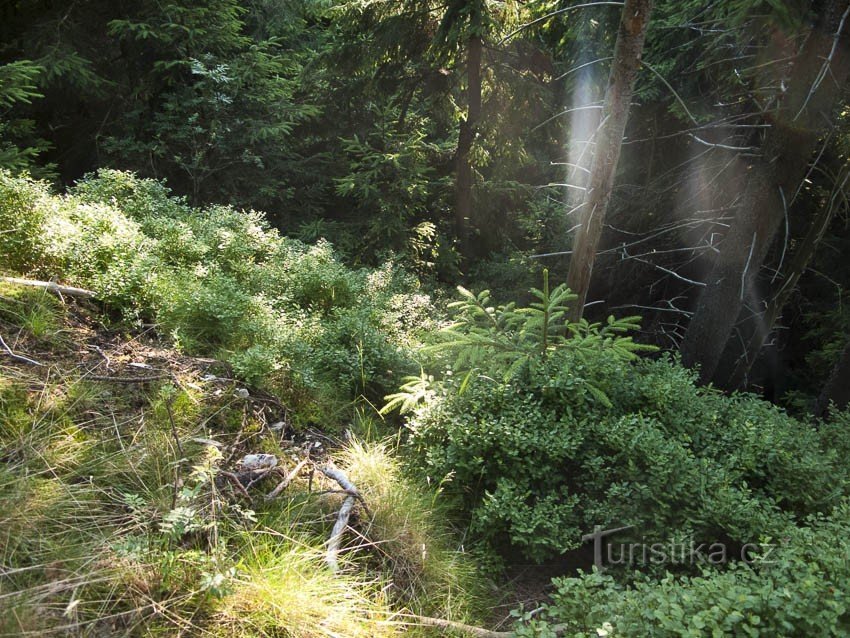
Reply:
x=520, y=268
x=458, y=138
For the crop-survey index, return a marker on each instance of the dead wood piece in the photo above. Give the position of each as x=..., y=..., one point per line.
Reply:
x=117, y=379
x=287, y=480
x=18, y=357
x=477, y=632
x=340, y=477
x=332, y=555
x=50, y=286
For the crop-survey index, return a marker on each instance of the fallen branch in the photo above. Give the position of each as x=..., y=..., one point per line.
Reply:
x=50, y=286
x=340, y=477
x=471, y=630
x=144, y=379
x=287, y=480
x=18, y=357
x=332, y=555
x=478, y=632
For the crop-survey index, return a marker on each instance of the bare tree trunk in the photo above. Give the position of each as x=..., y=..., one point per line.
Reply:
x=466, y=137
x=796, y=269
x=837, y=389
x=797, y=126
x=618, y=97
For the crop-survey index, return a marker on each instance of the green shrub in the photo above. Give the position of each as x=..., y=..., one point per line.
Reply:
x=546, y=435
x=140, y=199
x=797, y=587
x=22, y=215
x=287, y=316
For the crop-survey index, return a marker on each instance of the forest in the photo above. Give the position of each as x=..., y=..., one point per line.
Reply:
x=475, y=318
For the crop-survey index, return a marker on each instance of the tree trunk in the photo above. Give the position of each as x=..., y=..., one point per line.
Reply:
x=797, y=125
x=796, y=269
x=463, y=185
x=618, y=97
x=837, y=389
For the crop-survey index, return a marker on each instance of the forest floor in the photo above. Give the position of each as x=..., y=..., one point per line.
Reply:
x=106, y=439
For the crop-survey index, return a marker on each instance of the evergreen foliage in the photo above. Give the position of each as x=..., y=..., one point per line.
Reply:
x=615, y=440
x=399, y=149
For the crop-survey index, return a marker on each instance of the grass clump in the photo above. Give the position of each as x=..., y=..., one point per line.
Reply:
x=406, y=529
x=283, y=586
x=34, y=313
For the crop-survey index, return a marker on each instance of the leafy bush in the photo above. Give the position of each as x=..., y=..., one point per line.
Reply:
x=22, y=243
x=286, y=315
x=797, y=588
x=552, y=428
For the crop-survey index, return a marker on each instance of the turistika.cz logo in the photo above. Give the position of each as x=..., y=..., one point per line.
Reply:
x=690, y=552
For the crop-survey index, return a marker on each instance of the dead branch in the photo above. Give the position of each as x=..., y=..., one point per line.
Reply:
x=234, y=480
x=18, y=357
x=50, y=286
x=332, y=555
x=477, y=632
x=144, y=379
x=471, y=630
x=287, y=480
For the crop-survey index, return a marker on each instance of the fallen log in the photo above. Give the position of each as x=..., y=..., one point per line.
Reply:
x=50, y=286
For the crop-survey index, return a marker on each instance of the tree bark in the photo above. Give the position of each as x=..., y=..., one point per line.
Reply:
x=609, y=139
x=797, y=126
x=795, y=270
x=837, y=389
x=466, y=137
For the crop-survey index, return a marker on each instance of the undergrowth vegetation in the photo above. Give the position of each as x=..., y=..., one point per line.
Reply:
x=284, y=315
x=115, y=515
x=118, y=508
x=795, y=587
x=541, y=430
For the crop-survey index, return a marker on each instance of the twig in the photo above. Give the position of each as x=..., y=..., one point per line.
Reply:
x=747, y=265
x=50, y=286
x=286, y=481
x=554, y=13
x=785, y=243
x=259, y=475
x=18, y=357
x=673, y=91
x=824, y=70
x=174, y=427
x=478, y=632
x=236, y=483
x=100, y=351
x=723, y=146
x=581, y=66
